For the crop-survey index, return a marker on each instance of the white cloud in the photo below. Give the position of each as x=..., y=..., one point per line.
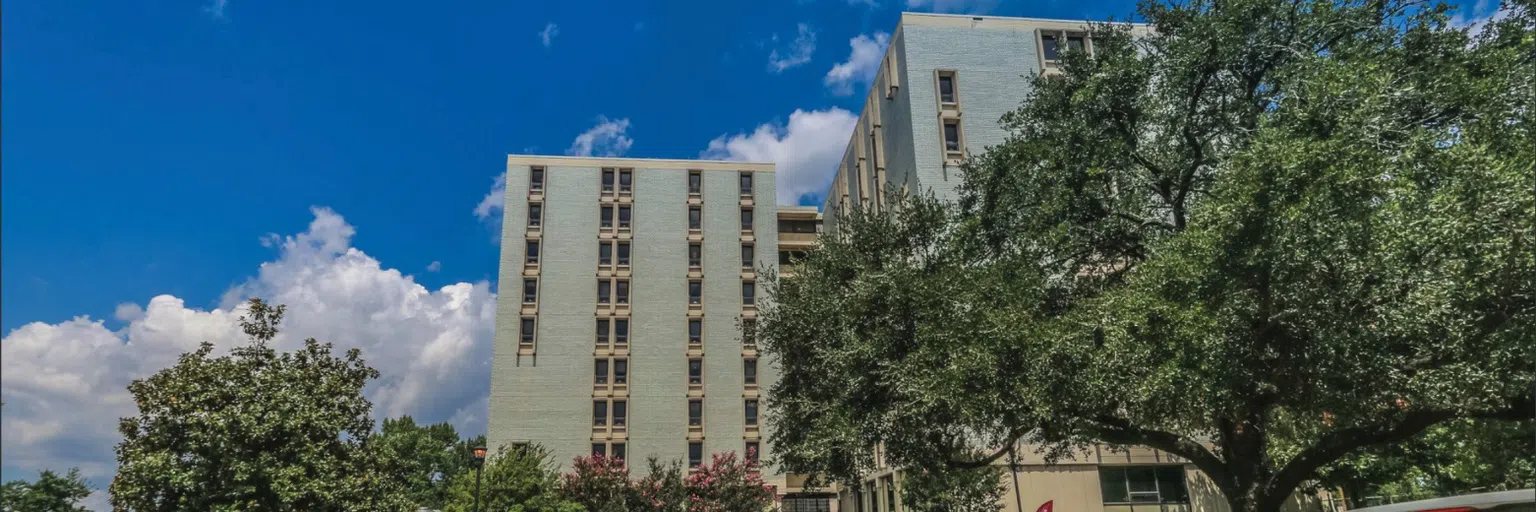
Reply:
x=547, y=36
x=799, y=51
x=64, y=384
x=215, y=9
x=128, y=312
x=489, y=208
x=435, y=266
x=607, y=138
x=806, y=151
x=1477, y=18
x=955, y=6
x=863, y=62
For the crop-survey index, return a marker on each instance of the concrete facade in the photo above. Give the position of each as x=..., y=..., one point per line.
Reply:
x=543, y=390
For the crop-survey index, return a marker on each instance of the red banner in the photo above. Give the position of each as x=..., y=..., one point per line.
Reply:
x=1045, y=507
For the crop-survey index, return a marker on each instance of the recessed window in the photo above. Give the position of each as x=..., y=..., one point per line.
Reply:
x=531, y=252
x=746, y=219
x=535, y=214
x=620, y=412
x=695, y=454
x=605, y=216
x=623, y=254
x=626, y=180
x=695, y=218
x=525, y=332
x=748, y=293
x=599, y=450
x=746, y=255
x=752, y=451
x=749, y=371
x=751, y=412
x=607, y=180
x=623, y=291
x=952, y=136
x=1143, y=484
x=624, y=217
x=530, y=291
x=1076, y=43
x=602, y=331
x=620, y=371
x=947, y=94
x=746, y=183
x=1050, y=47
x=600, y=372
x=695, y=182
x=695, y=412
x=618, y=451
x=536, y=178
x=621, y=330
x=695, y=255
x=604, y=291
x=695, y=331
x=695, y=291
x=696, y=371
x=599, y=412
x=748, y=331
x=604, y=253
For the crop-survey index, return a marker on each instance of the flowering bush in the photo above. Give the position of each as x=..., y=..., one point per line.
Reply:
x=725, y=484
x=728, y=484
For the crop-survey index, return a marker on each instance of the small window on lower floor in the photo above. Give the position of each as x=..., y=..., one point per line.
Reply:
x=695, y=454
x=749, y=371
x=621, y=331
x=620, y=413
x=599, y=450
x=620, y=371
x=599, y=413
x=752, y=451
x=953, y=145
x=525, y=334
x=617, y=451
x=1143, y=484
x=695, y=413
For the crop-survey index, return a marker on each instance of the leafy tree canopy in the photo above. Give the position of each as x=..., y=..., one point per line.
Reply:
x=51, y=492
x=1260, y=234
x=514, y=480
x=428, y=457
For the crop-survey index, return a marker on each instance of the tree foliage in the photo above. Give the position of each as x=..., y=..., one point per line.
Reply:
x=514, y=480
x=724, y=484
x=1456, y=457
x=254, y=430
x=51, y=492
x=965, y=490
x=427, y=457
x=1261, y=235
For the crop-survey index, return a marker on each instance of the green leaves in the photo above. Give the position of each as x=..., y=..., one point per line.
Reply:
x=49, y=493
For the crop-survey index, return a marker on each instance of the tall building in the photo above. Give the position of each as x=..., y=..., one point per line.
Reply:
x=941, y=89
x=625, y=288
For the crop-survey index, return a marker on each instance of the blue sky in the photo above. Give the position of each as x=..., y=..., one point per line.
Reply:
x=150, y=148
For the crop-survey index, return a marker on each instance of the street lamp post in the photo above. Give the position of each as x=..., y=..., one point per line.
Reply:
x=479, y=465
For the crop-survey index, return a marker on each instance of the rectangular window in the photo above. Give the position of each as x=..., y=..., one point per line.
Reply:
x=947, y=87
x=607, y=180
x=599, y=413
x=752, y=451
x=536, y=178
x=746, y=183
x=626, y=180
x=603, y=291
x=748, y=293
x=748, y=331
x=620, y=371
x=695, y=453
x=604, y=254
x=618, y=451
x=600, y=372
x=531, y=252
x=623, y=291
x=695, y=218
x=605, y=217
x=623, y=254
x=952, y=136
x=695, y=291
x=1076, y=43
x=695, y=255
x=695, y=413
x=526, y=331
x=602, y=331
x=746, y=256
x=530, y=291
x=696, y=371
x=535, y=214
x=695, y=331
x=621, y=330
x=624, y=217
x=749, y=371
x=1143, y=484
x=746, y=219
x=1049, y=46
x=751, y=412
x=620, y=412
x=599, y=450
x=695, y=182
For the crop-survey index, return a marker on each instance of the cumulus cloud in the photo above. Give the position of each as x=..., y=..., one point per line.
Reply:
x=798, y=52
x=806, y=150
x=547, y=36
x=489, y=208
x=64, y=384
x=955, y=6
x=128, y=312
x=863, y=62
x=435, y=266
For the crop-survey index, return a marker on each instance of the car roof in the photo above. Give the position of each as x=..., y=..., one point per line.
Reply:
x=1483, y=500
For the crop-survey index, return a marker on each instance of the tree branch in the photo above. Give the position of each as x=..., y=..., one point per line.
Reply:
x=1013, y=439
x=1120, y=431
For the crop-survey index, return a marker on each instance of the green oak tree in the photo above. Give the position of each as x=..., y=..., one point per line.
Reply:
x=519, y=479
x=51, y=492
x=255, y=430
x=1262, y=235
x=428, y=457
